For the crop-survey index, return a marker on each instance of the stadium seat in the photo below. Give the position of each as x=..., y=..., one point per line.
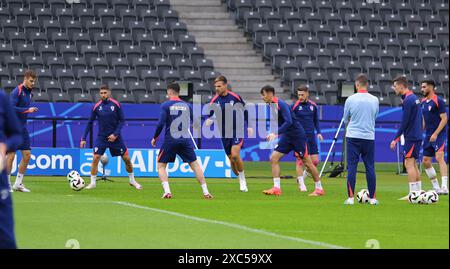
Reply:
x=204, y=65
x=412, y=21
x=41, y=97
x=406, y=57
x=322, y=56
x=413, y=46
x=353, y=68
x=51, y=87
x=344, y=8
x=415, y=70
x=210, y=76
x=125, y=98
x=61, y=97
x=183, y=65
x=12, y=62
x=331, y=43
x=437, y=70
x=186, y=42
x=300, y=55
x=292, y=18
x=426, y=57
x=98, y=63
x=82, y=98
x=432, y=45
x=303, y=7
x=330, y=68
x=192, y=75
x=145, y=98
x=119, y=64
x=73, y=87
x=319, y=79
x=116, y=87
x=309, y=67
x=382, y=32
x=394, y=68
x=343, y=55
x=352, y=20
x=149, y=76
x=137, y=87
x=260, y=30
x=106, y=75
x=73, y=27
x=25, y=51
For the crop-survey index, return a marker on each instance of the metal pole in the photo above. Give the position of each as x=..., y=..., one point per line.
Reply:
x=331, y=148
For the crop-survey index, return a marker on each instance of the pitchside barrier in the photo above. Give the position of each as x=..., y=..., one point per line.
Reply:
x=60, y=161
x=58, y=127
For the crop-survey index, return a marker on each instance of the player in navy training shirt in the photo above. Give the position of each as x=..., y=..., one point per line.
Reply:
x=109, y=114
x=435, y=124
x=10, y=138
x=292, y=138
x=21, y=101
x=232, y=143
x=306, y=112
x=411, y=129
x=176, y=117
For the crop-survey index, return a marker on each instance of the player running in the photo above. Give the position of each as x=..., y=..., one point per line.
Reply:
x=110, y=118
x=306, y=113
x=10, y=138
x=411, y=128
x=435, y=123
x=231, y=145
x=176, y=116
x=293, y=138
x=360, y=112
x=21, y=101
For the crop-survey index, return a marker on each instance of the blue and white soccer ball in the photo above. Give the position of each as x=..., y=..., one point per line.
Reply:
x=429, y=197
x=363, y=196
x=76, y=182
x=415, y=197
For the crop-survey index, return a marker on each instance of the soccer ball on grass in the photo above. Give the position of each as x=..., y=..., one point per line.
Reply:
x=363, y=196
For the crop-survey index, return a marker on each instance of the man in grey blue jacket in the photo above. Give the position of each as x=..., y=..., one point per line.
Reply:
x=360, y=111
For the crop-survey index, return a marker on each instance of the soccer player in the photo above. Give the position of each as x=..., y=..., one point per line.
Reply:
x=176, y=116
x=21, y=101
x=293, y=138
x=110, y=117
x=306, y=113
x=411, y=128
x=360, y=112
x=10, y=138
x=232, y=145
x=435, y=123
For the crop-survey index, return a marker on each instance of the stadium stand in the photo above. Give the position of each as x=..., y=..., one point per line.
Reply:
x=138, y=46
x=127, y=44
x=381, y=39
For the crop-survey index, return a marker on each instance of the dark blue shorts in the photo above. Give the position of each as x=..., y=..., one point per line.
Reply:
x=411, y=149
x=430, y=148
x=228, y=143
x=297, y=144
x=25, y=145
x=313, y=149
x=116, y=148
x=170, y=149
x=7, y=238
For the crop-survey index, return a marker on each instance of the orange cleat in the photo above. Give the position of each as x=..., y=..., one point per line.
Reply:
x=273, y=191
x=317, y=192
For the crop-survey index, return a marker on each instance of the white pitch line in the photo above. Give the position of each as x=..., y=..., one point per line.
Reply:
x=233, y=225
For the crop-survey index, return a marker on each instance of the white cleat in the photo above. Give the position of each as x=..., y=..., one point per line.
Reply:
x=443, y=191
x=302, y=187
x=405, y=198
x=349, y=201
x=373, y=202
x=243, y=187
x=20, y=188
x=90, y=186
x=136, y=185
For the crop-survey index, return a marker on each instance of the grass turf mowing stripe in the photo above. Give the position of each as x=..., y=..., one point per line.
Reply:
x=233, y=225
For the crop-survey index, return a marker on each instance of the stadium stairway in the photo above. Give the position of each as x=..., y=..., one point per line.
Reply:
x=224, y=43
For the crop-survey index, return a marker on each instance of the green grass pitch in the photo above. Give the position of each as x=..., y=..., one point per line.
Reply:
x=116, y=216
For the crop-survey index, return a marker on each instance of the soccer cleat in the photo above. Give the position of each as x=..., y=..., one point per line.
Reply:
x=90, y=186
x=373, y=202
x=273, y=191
x=349, y=201
x=167, y=196
x=404, y=198
x=443, y=191
x=317, y=192
x=208, y=196
x=136, y=185
x=243, y=187
x=20, y=188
